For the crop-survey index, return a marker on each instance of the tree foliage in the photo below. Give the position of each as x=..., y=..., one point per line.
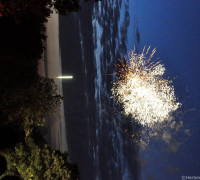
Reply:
x=27, y=107
x=25, y=98
x=22, y=10
x=64, y=7
x=30, y=161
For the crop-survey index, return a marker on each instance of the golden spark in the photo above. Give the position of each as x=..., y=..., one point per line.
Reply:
x=142, y=91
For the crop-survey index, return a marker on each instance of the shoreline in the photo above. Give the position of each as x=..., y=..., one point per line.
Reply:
x=50, y=66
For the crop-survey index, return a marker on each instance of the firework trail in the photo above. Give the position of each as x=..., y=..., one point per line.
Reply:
x=142, y=91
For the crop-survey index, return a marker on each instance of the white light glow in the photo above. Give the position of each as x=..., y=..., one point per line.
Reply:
x=64, y=77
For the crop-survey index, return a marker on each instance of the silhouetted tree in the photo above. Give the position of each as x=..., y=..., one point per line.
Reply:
x=64, y=7
x=13, y=136
x=3, y=165
x=26, y=98
x=27, y=107
x=24, y=10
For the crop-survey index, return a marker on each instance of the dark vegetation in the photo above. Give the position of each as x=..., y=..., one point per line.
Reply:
x=25, y=97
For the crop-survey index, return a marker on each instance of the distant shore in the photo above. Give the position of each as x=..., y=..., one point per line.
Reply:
x=50, y=67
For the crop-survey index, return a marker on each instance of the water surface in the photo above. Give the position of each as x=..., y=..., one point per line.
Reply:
x=99, y=136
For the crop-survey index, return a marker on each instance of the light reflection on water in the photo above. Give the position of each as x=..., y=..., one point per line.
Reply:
x=97, y=141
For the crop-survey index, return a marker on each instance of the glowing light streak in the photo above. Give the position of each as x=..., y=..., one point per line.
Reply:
x=64, y=77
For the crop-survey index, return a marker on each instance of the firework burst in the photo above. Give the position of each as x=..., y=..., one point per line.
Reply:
x=142, y=91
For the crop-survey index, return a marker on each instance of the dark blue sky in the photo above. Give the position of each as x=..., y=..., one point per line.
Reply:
x=173, y=27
